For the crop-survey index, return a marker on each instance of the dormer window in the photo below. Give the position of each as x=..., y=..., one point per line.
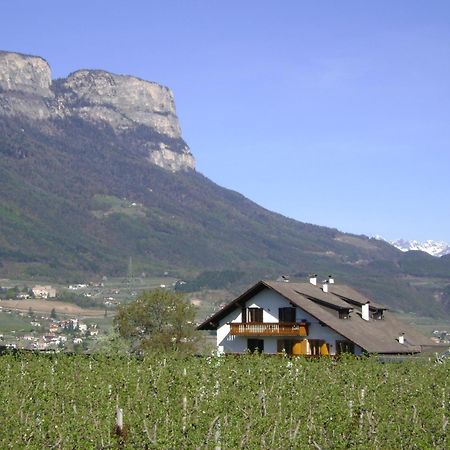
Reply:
x=377, y=314
x=344, y=313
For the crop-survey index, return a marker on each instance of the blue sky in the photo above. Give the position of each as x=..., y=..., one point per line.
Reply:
x=333, y=113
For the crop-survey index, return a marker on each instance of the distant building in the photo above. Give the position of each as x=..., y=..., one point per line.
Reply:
x=43, y=291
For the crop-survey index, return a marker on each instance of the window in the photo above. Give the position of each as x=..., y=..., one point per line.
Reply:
x=255, y=345
x=344, y=313
x=286, y=315
x=285, y=345
x=252, y=315
x=318, y=347
x=377, y=314
x=344, y=347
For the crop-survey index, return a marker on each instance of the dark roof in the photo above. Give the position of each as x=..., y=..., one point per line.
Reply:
x=374, y=336
x=316, y=293
x=349, y=294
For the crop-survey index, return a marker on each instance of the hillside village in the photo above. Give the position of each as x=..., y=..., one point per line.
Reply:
x=49, y=333
x=72, y=317
x=37, y=329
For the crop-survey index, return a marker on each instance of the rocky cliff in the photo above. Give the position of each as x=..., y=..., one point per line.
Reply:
x=124, y=103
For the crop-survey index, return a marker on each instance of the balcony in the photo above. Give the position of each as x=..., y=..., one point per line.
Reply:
x=269, y=329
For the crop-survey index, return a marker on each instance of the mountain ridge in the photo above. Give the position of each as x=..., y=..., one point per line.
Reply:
x=433, y=248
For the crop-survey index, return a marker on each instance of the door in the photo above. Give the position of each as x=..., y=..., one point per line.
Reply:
x=318, y=347
x=254, y=315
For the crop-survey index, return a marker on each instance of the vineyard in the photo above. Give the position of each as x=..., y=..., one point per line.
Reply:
x=249, y=402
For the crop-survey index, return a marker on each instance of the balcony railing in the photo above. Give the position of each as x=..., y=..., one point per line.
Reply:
x=269, y=329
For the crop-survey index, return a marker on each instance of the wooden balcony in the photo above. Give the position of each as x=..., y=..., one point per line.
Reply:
x=269, y=329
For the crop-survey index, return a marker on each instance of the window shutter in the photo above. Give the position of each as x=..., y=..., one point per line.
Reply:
x=286, y=315
x=324, y=350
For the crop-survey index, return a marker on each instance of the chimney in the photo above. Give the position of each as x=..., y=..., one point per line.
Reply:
x=330, y=279
x=365, y=314
x=313, y=279
x=401, y=338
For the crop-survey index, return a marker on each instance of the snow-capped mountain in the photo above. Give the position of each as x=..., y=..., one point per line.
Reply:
x=434, y=248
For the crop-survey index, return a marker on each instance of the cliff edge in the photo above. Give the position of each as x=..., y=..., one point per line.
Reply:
x=122, y=102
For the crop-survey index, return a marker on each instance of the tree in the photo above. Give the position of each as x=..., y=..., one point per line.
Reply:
x=157, y=320
x=53, y=313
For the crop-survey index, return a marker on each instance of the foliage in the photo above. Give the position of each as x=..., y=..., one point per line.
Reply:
x=210, y=279
x=7, y=293
x=250, y=402
x=157, y=320
x=77, y=299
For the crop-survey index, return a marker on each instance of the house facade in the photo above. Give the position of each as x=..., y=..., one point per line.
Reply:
x=310, y=319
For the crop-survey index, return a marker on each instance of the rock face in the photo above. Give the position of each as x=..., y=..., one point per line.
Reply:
x=124, y=103
x=25, y=86
x=25, y=74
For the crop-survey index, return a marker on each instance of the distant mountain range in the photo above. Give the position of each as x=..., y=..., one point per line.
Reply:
x=94, y=170
x=433, y=248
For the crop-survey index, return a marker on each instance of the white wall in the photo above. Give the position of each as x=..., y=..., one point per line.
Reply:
x=270, y=301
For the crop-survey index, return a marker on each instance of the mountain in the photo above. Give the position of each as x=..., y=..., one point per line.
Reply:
x=433, y=248
x=94, y=169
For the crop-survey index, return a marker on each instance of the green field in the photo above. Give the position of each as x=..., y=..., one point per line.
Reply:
x=13, y=322
x=248, y=402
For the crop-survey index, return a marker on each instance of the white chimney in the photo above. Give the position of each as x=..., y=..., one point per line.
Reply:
x=313, y=279
x=330, y=279
x=401, y=338
x=365, y=314
x=325, y=287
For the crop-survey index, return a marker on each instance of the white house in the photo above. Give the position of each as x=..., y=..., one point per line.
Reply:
x=43, y=291
x=310, y=319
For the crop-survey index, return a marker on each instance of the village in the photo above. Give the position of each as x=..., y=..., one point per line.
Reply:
x=33, y=319
x=48, y=333
x=73, y=317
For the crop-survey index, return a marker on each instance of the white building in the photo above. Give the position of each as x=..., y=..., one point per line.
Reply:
x=310, y=319
x=44, y=291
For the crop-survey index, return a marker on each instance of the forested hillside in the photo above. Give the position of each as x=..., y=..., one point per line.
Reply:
x=80, y=195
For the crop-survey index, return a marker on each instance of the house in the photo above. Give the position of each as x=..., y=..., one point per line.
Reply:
x=53, y=328
x=310, y=319
x=44, y=291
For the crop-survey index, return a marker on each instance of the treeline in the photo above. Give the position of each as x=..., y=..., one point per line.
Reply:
x=80, y=300
x=210, y=279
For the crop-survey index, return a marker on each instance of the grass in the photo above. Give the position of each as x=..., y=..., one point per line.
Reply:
x=11, y=321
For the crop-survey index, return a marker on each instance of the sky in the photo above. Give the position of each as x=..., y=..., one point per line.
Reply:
x=332, y=113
